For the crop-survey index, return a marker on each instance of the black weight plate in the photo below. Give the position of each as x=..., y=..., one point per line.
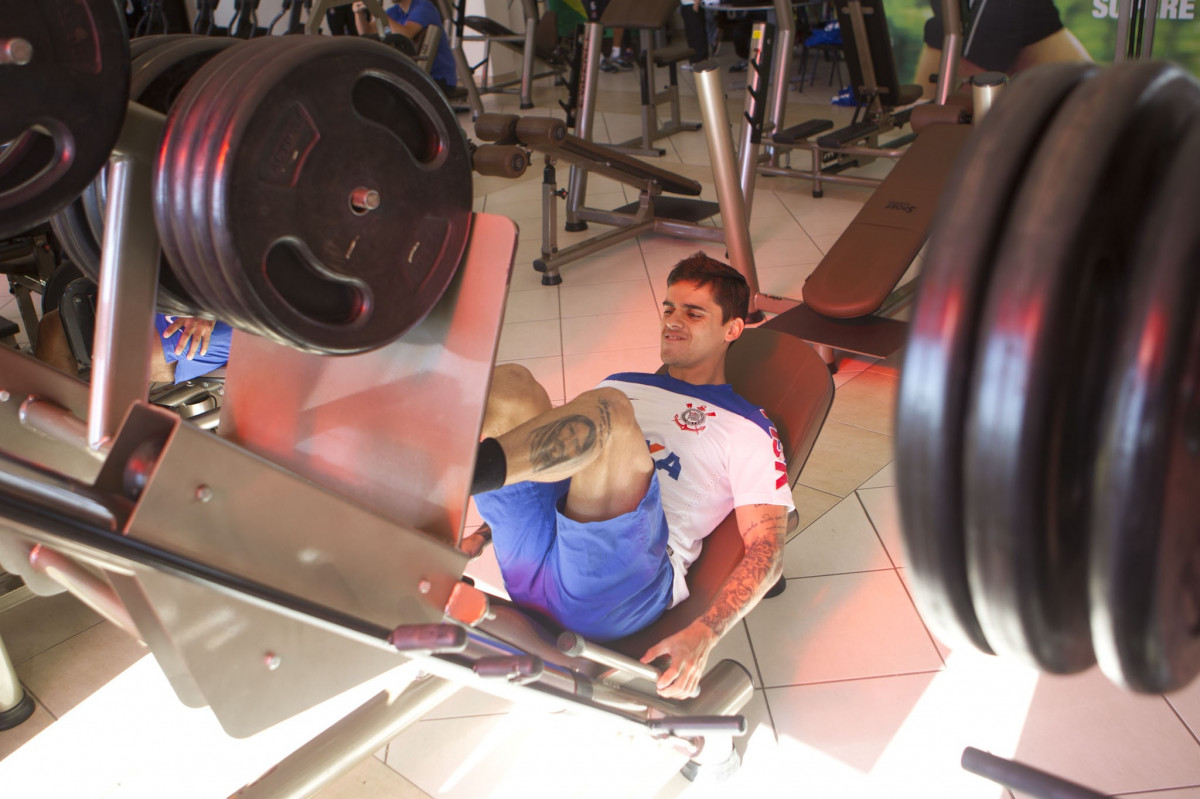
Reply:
x=1145, y=557
x=938, y=357
x=1044, y=341
x=173, y=174
x=223, y=97
x=74, y=90
x=62, y=276
x=143, y=44
x=190, y=141
x=71, y=228
x=93, y=203
x=158, y=77
x=327, y=117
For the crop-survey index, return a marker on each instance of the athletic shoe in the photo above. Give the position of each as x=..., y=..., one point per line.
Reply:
x=624, y=61
x=606, y=65
x=740, y=66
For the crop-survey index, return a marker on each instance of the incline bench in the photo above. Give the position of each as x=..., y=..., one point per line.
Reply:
x=651, y=212
x=845, y=294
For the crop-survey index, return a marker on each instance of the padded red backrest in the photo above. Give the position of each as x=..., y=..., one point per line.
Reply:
x=781, y=374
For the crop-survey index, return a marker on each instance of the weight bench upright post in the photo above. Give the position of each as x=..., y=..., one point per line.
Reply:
x=527, y=56
x=593, y=31
x=734, y=218
x=465, y=76
x=648, y=17
x=781, y=67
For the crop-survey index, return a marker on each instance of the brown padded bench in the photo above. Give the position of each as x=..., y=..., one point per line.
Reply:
x=867, y=261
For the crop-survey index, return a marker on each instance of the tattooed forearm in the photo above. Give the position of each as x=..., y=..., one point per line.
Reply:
x=561, y=441
x=758, y=569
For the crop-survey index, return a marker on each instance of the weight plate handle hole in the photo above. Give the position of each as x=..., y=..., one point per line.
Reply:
x=388, y=105
x=302, y=282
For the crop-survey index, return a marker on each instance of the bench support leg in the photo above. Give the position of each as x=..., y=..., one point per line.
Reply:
x=15, y=705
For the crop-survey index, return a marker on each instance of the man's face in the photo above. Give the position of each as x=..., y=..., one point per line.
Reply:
x=692, y=330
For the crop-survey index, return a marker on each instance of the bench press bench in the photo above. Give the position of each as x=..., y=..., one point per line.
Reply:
x=845, y=297
x=651, y=212
x=648, y=19
x=882, y=106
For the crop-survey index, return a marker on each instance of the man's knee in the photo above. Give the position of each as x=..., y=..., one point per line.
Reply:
x=514, y=398
x=615, y=410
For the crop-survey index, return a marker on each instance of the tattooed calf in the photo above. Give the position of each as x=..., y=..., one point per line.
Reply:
x=561, y=442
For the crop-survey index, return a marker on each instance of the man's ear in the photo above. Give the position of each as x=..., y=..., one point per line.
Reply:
x=734, y=331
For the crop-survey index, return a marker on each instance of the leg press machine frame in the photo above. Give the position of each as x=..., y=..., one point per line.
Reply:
x=308, y=546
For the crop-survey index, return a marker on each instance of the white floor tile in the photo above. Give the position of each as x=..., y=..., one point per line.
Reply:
x=866, y=400
x=530, y=753
x=523, y=340
x=14, y=738
x=784, y=281
x=609, y=332
x=1186, y=702
x=1144, y=746
x=882, y=478
x=899, y=736
x=885, y=516
x=786, y=249
x=371, y=779
x=841, y=541
x=37, y=624
x=533, y=305
x=67, y=674
x=621, y=262
x=607, y=298
x=841, y=627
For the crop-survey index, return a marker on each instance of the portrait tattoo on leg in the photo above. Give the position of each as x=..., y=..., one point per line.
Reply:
x=561, y=442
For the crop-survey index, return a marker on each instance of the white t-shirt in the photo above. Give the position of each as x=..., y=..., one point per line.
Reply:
x=714, y=451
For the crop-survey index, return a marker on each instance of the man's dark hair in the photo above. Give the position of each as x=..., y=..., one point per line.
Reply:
x=729, y=288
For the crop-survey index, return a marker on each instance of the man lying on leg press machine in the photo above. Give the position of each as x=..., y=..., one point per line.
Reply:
x=586, y=529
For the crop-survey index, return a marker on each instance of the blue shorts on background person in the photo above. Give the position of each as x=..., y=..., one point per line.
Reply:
x=189, y=368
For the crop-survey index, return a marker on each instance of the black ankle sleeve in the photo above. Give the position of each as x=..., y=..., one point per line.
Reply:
x=491, y=468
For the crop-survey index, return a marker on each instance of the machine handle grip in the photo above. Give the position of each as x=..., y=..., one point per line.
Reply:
x=1025, y=779
x=575, y=645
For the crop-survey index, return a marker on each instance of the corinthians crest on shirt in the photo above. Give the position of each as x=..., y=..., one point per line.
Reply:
x=693, y=417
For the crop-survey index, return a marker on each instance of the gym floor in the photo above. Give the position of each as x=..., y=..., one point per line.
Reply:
x=854, y=697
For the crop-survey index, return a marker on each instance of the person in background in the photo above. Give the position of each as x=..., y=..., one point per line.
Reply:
x=410, y=18
x=188, y=347
x=999, y=36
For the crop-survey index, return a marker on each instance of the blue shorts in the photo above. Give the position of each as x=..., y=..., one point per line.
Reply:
x=603, y=580
x=216, y=357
